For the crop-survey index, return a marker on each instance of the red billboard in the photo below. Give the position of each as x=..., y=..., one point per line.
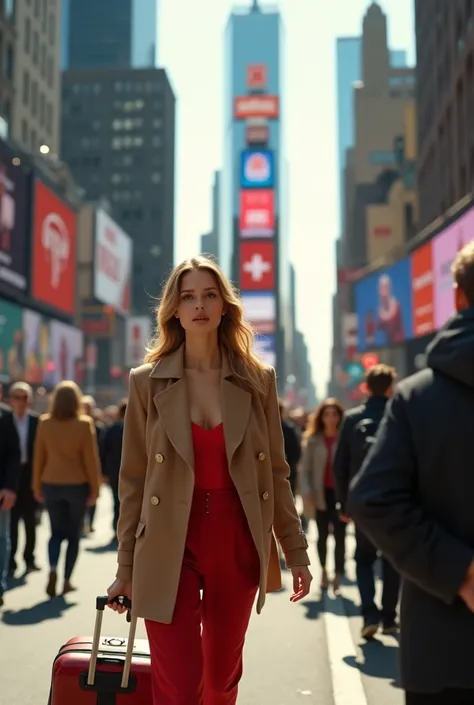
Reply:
x=256, y=106
x=257, y=76
x=422, y=284
x=54, y=251
x=257, y=266
x=257, y=213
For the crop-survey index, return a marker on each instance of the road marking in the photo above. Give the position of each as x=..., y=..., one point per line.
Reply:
x=346, y=679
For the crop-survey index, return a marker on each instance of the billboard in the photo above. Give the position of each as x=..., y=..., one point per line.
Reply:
x=257, y=134
x=137, y=335
x=113, y=264
x=446, y=245
x=66, y=352
x=422, y=284
x=257, y=169
x=256, y=106
x=384, y=307
x=54, y=251
x=39, y=366
x=13, y=222
x=265, y=348
x=260, y=310
x=12, y=363
x=257, y=266
x=257, y=213
x=257, y=76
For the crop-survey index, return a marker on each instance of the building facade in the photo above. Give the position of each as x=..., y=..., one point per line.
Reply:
x=254, y=246
x=34, y=69
x=109, y=34
x=445, y=100
x=119, y=140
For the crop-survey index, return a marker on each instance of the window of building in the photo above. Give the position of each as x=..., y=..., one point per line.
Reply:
x=35, y=47
x=9, y=63
x=49, y=118
x=34, y=139
x=381, y=158
x=157, y=123
x=52, y=28
x=27, y=35
x=42, y=111
x=9, y=8
x=44, y=15
x=7, y=111
x=156, y=177
x=156, y=141
x=26, y=87
x=49, y=71
x=43, y=60
x=24, y=132
x=34, y=98
x=37, y=8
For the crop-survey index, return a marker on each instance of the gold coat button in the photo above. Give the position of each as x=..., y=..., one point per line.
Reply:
x=155, y=501
x=265, y=495
x=261, y=456
x=159, y=458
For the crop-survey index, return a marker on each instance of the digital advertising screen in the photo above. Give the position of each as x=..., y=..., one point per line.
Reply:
x=257, y=266
x=384, y=307
x=257, y=213
x=422, y=284
x=257, y=169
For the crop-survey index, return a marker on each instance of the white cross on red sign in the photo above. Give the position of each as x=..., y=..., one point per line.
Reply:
x=257, y=266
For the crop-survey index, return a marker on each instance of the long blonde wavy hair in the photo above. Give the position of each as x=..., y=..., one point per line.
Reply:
x=235, y=334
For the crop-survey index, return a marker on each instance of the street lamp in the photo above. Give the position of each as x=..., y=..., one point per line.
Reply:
x=44, y=149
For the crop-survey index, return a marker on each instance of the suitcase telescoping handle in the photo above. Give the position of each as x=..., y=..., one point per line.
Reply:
x=101, y=603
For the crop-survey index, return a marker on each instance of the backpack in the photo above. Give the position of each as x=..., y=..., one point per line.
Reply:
x=363, y=438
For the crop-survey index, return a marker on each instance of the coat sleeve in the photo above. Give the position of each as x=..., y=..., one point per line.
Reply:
x=384, y=501
x=286, y=521
x=342, y=462
x=132, y=479
x=306, y=469
x=90, y=451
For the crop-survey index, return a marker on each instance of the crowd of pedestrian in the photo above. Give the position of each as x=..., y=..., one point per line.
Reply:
x=56, y=463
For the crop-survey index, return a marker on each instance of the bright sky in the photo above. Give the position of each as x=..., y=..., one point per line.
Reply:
x=191, y=47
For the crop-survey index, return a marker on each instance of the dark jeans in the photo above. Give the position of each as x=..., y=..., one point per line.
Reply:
x=66, y=506
x=24, y=509
x=5, y=524
x=446, y=697
x=365, y=556
x=324, y=519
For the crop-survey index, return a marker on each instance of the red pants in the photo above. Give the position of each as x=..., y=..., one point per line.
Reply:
x=194, y=668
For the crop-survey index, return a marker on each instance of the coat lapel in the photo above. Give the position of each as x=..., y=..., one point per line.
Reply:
x=173, y=406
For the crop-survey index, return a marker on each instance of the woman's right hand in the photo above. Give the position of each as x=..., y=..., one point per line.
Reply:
x=119, y=588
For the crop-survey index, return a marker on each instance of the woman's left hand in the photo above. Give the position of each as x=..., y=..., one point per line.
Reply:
x=301, y=582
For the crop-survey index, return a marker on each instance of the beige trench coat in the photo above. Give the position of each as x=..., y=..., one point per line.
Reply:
x=313, y=468
x=157, y=482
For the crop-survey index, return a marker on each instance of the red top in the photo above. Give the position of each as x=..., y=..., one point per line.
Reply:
x=211, y=468
x=328, y=476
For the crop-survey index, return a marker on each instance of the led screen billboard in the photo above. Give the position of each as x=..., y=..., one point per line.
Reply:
x=257, y=169
x=384, y=307
x=257, y=266
x=422, y=283
x=257, y=213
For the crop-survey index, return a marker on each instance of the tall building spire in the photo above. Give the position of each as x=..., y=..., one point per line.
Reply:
x=255, y=6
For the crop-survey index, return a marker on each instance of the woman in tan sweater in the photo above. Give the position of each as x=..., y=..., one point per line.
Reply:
x=66, y=475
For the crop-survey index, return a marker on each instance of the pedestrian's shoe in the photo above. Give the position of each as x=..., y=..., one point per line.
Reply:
x=32, y=568
x=324, y=580
x=369, y=630
x=336, y=584
x=390, y=628
x=51, y=586
x=68, y=587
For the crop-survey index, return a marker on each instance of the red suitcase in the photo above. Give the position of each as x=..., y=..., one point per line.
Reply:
x=102, y=670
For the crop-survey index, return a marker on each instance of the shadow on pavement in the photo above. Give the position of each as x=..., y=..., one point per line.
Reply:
x=313, y=608
x=43, y=611
x=380, y=661
x=107, y=548
x=16, y=582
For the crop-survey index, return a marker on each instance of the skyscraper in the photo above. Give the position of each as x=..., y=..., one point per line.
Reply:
x=348, y=72
x=253, y=244
x=109, y=34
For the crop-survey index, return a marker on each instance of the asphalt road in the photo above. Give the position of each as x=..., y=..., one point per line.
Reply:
x=309, y=653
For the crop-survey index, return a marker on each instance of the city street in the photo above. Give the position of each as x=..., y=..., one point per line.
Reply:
x=308, y=653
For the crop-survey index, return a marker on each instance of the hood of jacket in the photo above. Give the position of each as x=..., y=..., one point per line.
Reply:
x=452, y=350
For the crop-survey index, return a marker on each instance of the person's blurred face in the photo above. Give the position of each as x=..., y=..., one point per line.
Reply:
x=201, y=305
x=384, y=288
x=19, y=401
x=330, y=418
